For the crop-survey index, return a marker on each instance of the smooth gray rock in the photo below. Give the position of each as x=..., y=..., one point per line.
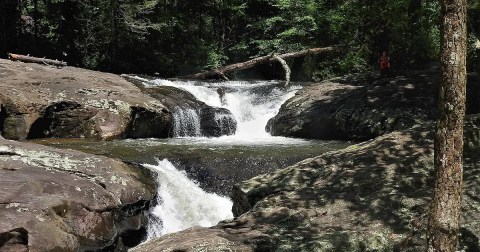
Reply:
x=65, y=200
x=371, y=196
x=358, y=107
x=38, y=101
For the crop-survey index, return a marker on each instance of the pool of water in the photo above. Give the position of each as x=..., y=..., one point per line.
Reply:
x=195, y=174
x=215, y=163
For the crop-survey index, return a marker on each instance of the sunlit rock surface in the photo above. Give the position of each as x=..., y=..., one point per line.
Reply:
x=360, y=106
x=38, y=101
x=372, y=196
x=64, y=200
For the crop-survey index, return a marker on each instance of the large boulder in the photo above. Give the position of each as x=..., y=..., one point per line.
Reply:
x=38, y=101
x=359, y=107
x=364, y=106
x=372, y=196
x=217, y=122
x=195, y=116
x=64, y=200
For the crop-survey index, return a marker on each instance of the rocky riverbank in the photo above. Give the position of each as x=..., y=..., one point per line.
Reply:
x=38, y=101
x=372, y=196
x=64, y=200
x=364, y=106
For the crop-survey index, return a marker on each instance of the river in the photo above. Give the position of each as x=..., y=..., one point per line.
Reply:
x=196, y=173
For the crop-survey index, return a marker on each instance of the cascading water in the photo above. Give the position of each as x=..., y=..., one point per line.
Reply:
x=182, y=203
x=216, y=162
x=252, y=103
x=186, y=122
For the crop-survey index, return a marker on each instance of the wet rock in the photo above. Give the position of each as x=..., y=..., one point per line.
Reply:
x=38, y=101
x=63, y=119
x=14, y=240
x=217, y=122
x=64, y=200
x=145, y=122
x=372, y=196
x=213, y=121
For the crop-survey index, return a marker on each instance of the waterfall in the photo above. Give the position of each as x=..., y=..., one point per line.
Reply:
x=252, y=103
x=186, y=122
x=182, y=203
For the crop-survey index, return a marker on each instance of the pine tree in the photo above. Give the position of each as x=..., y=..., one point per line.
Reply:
x=443, y=223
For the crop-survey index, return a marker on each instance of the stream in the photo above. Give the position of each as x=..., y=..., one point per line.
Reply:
x=196, y=173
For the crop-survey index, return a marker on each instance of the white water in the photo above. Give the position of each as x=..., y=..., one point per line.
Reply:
x=183, y=204
x=251, y=109
x=186, y=122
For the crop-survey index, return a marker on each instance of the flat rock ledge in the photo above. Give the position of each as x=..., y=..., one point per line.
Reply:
x=39, y=101
x=65, y=200
x=372, y=196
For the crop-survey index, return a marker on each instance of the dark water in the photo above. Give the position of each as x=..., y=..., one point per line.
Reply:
x=215, y=163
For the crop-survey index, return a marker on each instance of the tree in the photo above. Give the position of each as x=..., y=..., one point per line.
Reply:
x=443, y=223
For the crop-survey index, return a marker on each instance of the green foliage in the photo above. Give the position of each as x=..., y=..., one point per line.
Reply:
x=353, y=61
x=180, y=37
x=278, y=26
x=215, y=58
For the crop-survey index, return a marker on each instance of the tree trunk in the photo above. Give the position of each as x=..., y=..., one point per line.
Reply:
x=443, y=223
x=3, y=28
x=414, y=15
x=416, y=48
x=257, y=61
x=69, y=30
x=114, y=9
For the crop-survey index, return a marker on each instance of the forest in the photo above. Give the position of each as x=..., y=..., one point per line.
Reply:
x=178, y=37
x=107, y=144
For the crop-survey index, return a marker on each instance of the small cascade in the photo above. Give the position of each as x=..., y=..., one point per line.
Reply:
x=186, y=122
x=251, y=103
x=239, y=113
x=182, y=203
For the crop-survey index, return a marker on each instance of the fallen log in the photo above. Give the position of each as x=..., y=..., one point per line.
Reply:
x=30, y=59
x=260, y=60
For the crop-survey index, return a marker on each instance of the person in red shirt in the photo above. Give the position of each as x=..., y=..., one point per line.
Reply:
x=384, y=64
